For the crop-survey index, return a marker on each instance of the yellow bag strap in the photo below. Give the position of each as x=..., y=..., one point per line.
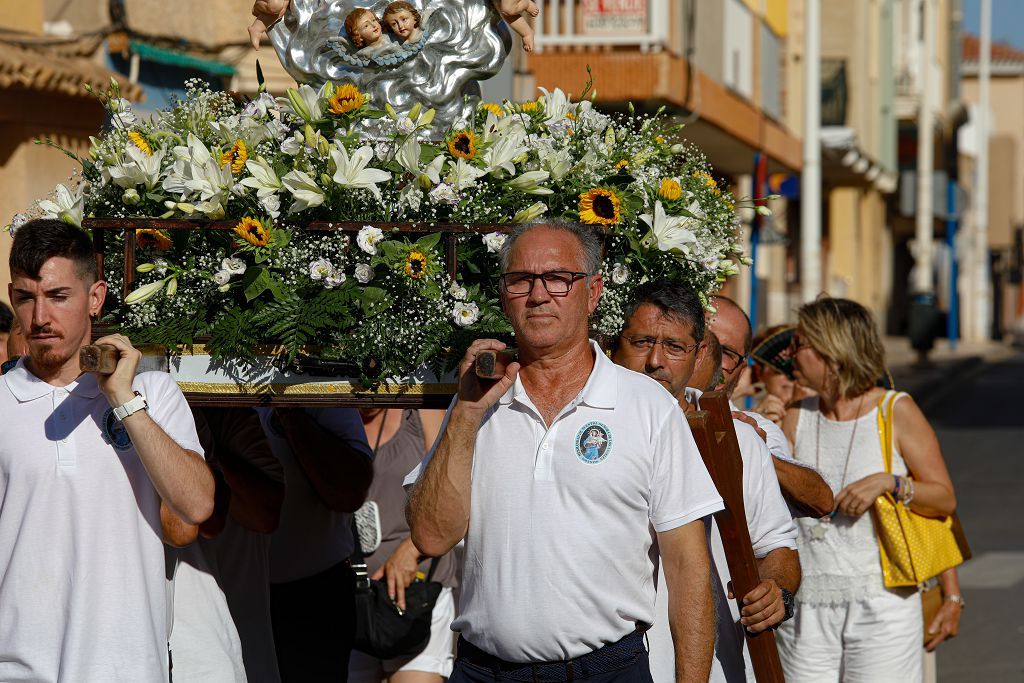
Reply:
x=885, y=426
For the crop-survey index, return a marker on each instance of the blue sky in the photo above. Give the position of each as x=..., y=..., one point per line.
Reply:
x=1007, y=20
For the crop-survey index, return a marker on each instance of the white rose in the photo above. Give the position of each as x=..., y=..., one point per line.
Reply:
x=465, y=314
x=444, y=192
x=406, y=125
x=620, y=273
x=368, y=238
x=294, y=144
x=364, y=273
x=334, y=279
x=495, y=241
x=234, y=266
x=320, y=269
x=221, y=277
x=272, y=205
x=457, y=291
x=131, y=197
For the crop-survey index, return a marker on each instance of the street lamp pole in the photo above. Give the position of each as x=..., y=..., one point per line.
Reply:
x=810, y=179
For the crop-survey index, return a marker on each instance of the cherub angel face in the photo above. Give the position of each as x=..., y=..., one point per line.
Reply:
x=365, y=30
x=402, y=23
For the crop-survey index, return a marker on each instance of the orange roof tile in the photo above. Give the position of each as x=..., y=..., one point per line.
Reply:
x=44, y=68
x=1001, y=53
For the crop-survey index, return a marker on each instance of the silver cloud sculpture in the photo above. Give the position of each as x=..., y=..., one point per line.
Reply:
x=464, y=41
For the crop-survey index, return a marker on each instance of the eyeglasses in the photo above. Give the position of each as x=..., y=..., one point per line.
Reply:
x=673, y=349
x=556, y=282
x=736, y=357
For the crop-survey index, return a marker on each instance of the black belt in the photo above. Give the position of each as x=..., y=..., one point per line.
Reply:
x=612, y=657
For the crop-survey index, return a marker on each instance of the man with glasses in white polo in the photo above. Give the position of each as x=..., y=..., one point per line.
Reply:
x=663, y=333
x=561, y=475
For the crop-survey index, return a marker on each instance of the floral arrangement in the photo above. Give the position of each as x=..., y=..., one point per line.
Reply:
x=273, y=167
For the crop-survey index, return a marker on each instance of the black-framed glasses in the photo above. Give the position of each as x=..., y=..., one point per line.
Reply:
x=556, y=282
x=734, y=356
x=674, y=349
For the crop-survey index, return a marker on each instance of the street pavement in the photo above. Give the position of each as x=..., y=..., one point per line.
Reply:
x=976, y=406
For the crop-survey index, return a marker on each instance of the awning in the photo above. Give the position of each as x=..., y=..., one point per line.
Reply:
x=183, y=60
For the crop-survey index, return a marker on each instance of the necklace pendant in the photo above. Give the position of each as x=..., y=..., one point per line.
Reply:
x=820, y=530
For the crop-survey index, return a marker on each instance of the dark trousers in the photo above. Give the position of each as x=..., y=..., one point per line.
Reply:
x=623, y=662
x=314, y=625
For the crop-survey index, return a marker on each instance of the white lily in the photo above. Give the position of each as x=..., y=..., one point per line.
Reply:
x=305, y=190
x=263, y=177
x=140, y=169
x=462, y=175
x=68, y=206
x=351, y=171
x=409, y=158
x=145, y=292
x=498, y=158
x=530, y=183
x=197, y=172
x=556, y=105
x=530, y=213
x=669, y=232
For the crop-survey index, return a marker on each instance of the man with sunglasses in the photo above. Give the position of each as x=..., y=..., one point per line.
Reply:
x=555, y=475
x=664, y=338
x=804, y=489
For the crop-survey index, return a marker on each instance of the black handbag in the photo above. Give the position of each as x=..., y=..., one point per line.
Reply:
x=382, y=631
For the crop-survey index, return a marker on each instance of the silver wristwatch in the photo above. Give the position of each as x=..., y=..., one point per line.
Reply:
x=131, y=407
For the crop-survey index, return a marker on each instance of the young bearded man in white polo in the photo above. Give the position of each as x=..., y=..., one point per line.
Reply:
x=86, y=461
x=662, y=338
x=555, y=475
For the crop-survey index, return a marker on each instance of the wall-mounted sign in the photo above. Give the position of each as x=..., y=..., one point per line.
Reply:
x=613, y=16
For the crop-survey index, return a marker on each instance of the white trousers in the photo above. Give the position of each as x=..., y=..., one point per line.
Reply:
x=874, y=640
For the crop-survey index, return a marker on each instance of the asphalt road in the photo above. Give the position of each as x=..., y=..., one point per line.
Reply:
x=980, y=423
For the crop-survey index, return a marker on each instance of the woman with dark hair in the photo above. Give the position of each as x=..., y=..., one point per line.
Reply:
x=848, y=625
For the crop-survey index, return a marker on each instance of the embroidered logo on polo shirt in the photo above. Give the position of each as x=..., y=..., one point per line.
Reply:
x=114, y=432
x=593, y=442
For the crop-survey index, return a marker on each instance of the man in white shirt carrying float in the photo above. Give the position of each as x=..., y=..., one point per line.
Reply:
x=662, y=337
x=803, y=488
x=558, y=575
x=85, y=466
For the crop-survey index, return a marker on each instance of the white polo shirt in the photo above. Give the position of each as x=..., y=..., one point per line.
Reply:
x=558, y=558
x=770, y=526
x=82, y=594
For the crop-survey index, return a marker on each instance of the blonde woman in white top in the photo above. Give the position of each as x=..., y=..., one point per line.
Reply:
x=848, y=625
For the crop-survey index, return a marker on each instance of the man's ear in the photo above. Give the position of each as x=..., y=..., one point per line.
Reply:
x=97, y=295
x=594, y=289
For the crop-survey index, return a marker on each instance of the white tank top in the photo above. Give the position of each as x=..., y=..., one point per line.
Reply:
x=840, y=564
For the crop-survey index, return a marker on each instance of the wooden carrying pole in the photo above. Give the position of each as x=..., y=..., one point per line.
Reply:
x=715, y=434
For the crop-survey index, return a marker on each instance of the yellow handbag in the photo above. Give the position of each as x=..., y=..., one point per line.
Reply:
x=913, y=548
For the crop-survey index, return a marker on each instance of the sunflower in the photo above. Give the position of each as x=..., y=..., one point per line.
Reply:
x=495, y=109
x=708, y=180
x=670, y=190
x=346, y=98
x=142, y=143
x=600, y=206
x=235, y=157
x=148, y=237
x=416, y=265
x=252, y=231
x=463, y=145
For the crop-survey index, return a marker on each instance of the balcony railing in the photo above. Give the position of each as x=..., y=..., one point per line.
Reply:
x=599, y=23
